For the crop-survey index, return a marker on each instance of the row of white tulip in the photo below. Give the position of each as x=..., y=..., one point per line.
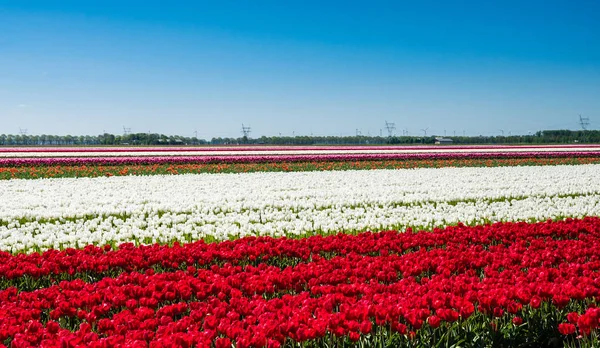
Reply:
x=315, y=151
x=57, y=213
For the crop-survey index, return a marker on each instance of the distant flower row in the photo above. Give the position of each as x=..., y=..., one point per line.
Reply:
x=265, y=158
x=503, y=285
x=261, y=148
x=288, y=151
x=81, y=171
x=59, y=213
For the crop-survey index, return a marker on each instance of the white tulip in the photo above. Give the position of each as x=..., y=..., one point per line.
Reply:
x=69, y=212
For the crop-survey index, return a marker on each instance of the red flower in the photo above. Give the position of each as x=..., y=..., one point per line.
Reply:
x=466, y=310
x=434, y=321
x=514, y=307
x=399, y=327
x=273, y=344
x=573, y=317
x=354, y=336
x=560, y=301
x=365, y=327
x=585, y=324
x=535, y=302
x=566, y=328
x=517, y=321
x=52, y=327
x=223, y=342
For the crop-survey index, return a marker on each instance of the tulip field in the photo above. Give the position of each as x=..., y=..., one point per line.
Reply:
x=360, y=246
x=31, y=162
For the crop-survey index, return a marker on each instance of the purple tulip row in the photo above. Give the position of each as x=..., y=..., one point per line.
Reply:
x=14, y=162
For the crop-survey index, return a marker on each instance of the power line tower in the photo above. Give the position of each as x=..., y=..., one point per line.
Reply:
x=424, y=132
x=126, y=131
x=584, y=122
x=390, y=126
x=22, y=131
x=245, y=131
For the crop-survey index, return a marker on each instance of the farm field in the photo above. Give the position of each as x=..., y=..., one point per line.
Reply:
x=26, y=163
x=275, y=174
x=300, y=247
x=77, y=171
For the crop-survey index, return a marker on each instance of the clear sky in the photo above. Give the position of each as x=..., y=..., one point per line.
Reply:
x=298, y=67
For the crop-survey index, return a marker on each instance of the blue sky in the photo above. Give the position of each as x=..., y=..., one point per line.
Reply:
x=298, y=67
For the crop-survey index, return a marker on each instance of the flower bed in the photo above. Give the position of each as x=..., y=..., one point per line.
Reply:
x=60, y=213
x=266, y=158
x=48, y=151
x=507, y=284
x=78, y=171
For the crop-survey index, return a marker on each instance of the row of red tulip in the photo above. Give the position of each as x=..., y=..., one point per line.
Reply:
x=373, y=287
x=100, y=261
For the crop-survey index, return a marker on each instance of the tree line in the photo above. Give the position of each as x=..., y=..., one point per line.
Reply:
x=140, y=139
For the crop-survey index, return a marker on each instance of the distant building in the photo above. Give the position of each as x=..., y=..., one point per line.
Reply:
x=443, y=141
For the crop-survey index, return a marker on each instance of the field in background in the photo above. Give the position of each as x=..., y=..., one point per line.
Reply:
x=29, y=163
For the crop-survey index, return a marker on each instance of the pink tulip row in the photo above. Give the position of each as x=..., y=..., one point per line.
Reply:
x=50, y=161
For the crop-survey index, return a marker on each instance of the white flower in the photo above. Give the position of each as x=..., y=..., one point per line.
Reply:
x=70, y=212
